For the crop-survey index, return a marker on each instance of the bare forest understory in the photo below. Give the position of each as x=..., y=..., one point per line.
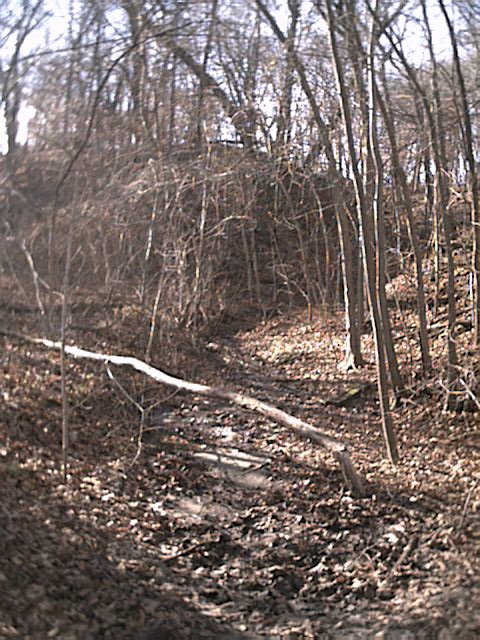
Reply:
x=196, y=519
x=217, y=194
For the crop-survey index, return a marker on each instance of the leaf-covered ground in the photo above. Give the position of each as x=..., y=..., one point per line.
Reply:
x=200, y=520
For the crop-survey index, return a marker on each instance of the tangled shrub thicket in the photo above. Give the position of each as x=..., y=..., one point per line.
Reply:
x=189, y=238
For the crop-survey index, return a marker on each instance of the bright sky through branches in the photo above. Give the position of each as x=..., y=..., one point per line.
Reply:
x=51, y=37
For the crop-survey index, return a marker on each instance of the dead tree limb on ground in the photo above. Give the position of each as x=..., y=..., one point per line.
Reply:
x=337, y=448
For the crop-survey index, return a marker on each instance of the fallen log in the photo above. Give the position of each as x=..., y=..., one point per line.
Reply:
x=337, y=448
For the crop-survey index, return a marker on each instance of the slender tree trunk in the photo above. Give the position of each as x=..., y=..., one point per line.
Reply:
x=202, y=80
x=133, y=10
x=285, y=110
x=437, y=133
x=12, y=108
x=472, y=174
x=401, y=179
x=368, y=249
x=353, y=355
x=373, y=178
x=172, y=120
x=379, y=213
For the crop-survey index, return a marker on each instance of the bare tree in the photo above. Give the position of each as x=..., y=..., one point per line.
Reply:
x=466, y=109
x=353, y=356
x=367, y=241
x=400, y=178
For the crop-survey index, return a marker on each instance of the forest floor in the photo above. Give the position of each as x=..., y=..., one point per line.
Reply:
x=206, y=521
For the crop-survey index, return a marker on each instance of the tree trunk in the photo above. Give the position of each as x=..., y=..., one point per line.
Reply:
x=353, y=355
x=379, y=212
x=367, y=242
x=437, y=134
x=472, y=175
x=401, y=180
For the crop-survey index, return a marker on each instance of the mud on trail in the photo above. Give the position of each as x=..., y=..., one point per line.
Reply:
x=199, y=520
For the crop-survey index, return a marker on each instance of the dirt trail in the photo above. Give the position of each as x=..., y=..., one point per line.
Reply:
x=228, y=526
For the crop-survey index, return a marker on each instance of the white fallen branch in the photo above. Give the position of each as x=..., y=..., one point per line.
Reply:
x=337, y=448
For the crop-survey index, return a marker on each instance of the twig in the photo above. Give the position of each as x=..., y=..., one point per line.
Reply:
x=184, y=552
x=35, y=276
x=63, y=336
x=123, y=390
x=466, y=504
x=136, y=405
x=469, y=392
x=409, y=547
